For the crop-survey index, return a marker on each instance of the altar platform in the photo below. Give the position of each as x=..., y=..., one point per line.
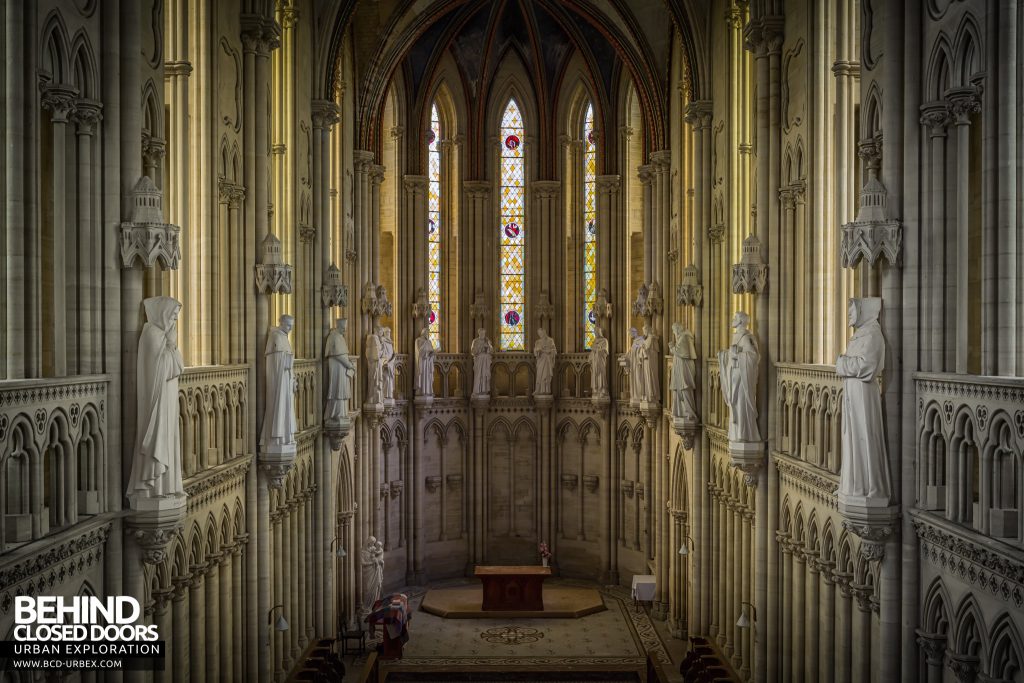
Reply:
x=466, y=602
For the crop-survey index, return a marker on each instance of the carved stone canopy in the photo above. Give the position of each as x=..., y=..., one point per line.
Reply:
x=333, y=292
x=690, y=292
x=750, y=275
x=273, y=276
x=146, y=239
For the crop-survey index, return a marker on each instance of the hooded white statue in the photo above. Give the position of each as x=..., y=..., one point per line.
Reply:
x=481, y=349
x=737, y=367
x=156, y=469
x=340, y=371
x=545, y=351
x=599, y=365
x=684, y=373
x=279, y=417
x=865, y=468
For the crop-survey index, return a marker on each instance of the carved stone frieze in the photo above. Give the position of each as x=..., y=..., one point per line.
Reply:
x=40, y=571
x=952, y=549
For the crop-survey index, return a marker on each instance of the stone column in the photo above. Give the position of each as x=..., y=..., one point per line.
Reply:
x=646, y=174
x=963, y=103
x=197, y=626
x=60, y=101
x=786, y=658
x=90, y=320
x=798, y=612
x=178, y=642
x=236, y=611
x=933, y=646
x=812, y=611
x=213, y=617
x=827, y=623
x=162, y=612
x=1004, y=329
x=844, y=636
x=936, y=117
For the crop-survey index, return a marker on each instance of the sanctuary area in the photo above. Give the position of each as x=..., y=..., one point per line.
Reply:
x=519, y=340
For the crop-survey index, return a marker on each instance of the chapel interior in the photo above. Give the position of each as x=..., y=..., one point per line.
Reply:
x=649, y=216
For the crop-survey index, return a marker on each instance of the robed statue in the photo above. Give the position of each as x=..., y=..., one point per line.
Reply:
x=425, y=353
x=372, y=561
x=649, y=361
x=387, y=364
x=738, y=368
x=545, y=352
x=279, y=425
x=340, y=371
x=684, y=374
x=156, y=468
x=481, y=349
x=599, y=365
x=865, y=468
x=373, y=351
x=631, y=362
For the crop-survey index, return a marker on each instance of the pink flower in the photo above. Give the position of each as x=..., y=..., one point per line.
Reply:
x=545, y=551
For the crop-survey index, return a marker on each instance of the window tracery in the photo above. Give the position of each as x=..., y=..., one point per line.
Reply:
x=434, y=227
x=512, y=254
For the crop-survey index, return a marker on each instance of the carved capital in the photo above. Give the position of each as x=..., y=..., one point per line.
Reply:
x=936, y=116
x=933, y=646
x=871, y=240
x=325, y=114
x=608, y=184
x=60, y=100
x=962, y=103
x=87, y=114
x=698, y=114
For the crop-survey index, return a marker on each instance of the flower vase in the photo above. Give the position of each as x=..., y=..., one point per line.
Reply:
x=544, y=561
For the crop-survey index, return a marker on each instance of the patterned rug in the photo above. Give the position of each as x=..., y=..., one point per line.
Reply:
x=617, y=639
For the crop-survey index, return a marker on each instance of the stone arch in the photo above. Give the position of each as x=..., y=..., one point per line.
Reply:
x=968, y=634
x=1006, y=661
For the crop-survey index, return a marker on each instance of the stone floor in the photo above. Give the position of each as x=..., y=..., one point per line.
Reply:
x=621, y=635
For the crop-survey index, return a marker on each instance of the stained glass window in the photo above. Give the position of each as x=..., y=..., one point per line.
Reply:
x=512, y=323
x=589, y=227
x=434, y=227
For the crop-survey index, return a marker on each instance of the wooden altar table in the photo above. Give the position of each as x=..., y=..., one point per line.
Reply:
x=517, y=588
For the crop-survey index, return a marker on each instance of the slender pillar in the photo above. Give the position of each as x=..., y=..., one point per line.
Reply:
x=197, y=626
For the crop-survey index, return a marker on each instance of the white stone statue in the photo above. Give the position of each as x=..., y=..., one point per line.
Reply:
x=738, y=367
x=649, y=357
x=631, y=362
x=279, y=425
x=481, y=350
x=684, y=374
x=340, y=371
x=156, y=469
x=372, y=560
x=373, y=352
x=425, y=353
x=599, y=365
x=545, y=352
x=864, y=476
x=387, y=360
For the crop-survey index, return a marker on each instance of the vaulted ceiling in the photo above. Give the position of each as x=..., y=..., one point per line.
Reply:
x=410, y=37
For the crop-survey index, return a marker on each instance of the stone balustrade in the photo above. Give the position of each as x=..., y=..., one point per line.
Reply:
x=572, y=375
x=453, y=375
x=970, y=441
x=810, y=414
x=512, y=374
x=307, y=396
x=214, y=415
x=52, y=454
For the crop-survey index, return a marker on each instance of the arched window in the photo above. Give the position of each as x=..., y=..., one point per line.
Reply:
x=434, y=236
x=512, y=309
x=589, y=226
